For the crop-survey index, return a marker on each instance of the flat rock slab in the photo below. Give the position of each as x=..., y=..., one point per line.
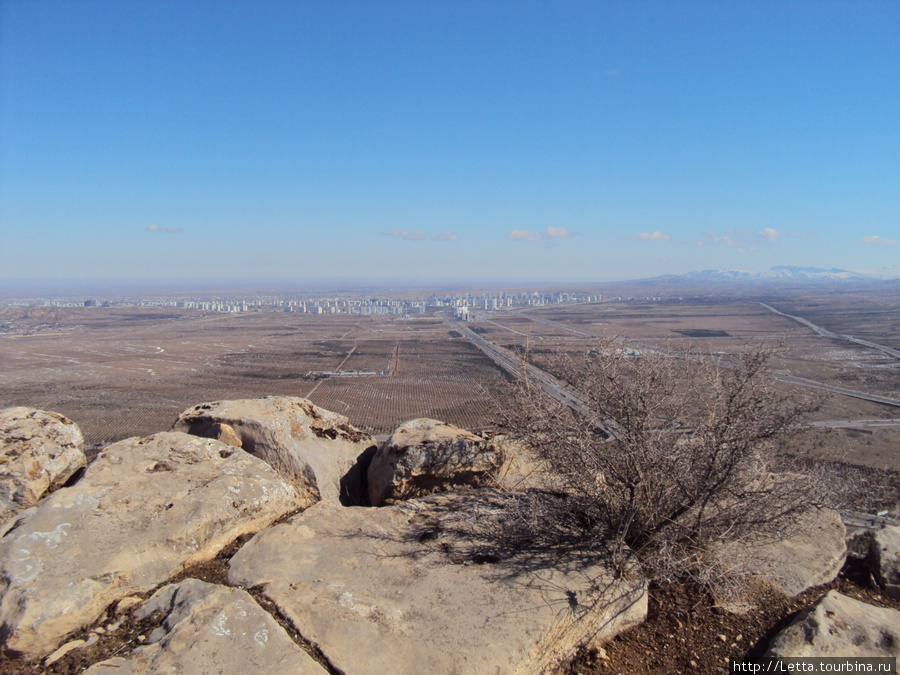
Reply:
x=424, y=456
x=840, y=626
x=38, y=451
x=813, y=555
x=397, y=590
x=885, y=558
x=210, y=628
x=313, y=447
x=144, y=509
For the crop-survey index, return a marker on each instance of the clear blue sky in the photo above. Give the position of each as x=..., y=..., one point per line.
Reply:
x=553, y=140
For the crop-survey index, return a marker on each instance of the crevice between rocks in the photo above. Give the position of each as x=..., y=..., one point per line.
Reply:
x=304, y=643
x=132, y=633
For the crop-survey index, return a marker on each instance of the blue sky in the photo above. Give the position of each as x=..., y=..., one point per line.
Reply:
x=546, y=140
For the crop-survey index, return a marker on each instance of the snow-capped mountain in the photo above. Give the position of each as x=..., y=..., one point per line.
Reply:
x=785, y=273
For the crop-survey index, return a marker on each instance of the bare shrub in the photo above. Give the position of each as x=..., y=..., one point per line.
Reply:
x=689, y=467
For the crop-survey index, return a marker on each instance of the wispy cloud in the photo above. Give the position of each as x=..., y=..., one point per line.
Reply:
x=552, y=232
x=558, y=232
x=168, y=230
x=525, y=235
x=656, y=235
x=446, y=235
x=743, y=241
x=418, y=235
x=878, y=241
x=611, y=72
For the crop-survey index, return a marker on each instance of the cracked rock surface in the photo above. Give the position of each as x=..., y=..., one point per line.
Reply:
x=144, y=509
x=209, y=628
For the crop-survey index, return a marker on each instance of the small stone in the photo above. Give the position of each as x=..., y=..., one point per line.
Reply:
x=739, y=637
x=92, y=640
x=722, y=638
x=693, y=664
x=99, y=630
x=140, y=639
x=62, y=651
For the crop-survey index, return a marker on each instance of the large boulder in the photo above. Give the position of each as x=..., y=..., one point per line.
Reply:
x=39, y=451
x=313, y=447
x=207, y=628
x=840, y=626
x=885, y=558
x=813, y=554
x=144, y=509
x=424, y=456
x=408, y=587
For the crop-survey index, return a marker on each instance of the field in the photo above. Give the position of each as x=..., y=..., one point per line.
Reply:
x=714, y=327
x=125, y=372
x=120, y=372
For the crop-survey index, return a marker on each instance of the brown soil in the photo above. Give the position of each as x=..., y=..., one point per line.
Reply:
x=685, y=632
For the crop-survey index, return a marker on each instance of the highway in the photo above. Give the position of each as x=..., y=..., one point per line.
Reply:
x=803, y=382
x=515, y=366
x=856, y=424
x=835, y=336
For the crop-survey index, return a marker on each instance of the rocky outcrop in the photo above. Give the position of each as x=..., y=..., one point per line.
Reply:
x=885, y=558
x=424, y=456
x=813, y=555
x=391, y=589
x=311, y=446
x=144, y=509
x=840, y=626
x=207, y=628
x=39, y=451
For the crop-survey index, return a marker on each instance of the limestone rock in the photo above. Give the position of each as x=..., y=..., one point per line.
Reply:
x=403, y=588
x=311, y=446
x=144, y=509
x=813, y=555
x=840, y=626
x=885, y=558
x=210, y=628
x=424, y=456
x=38, y=451
x=62, y=651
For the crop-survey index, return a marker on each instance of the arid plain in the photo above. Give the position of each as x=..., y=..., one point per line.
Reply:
x=123, y=371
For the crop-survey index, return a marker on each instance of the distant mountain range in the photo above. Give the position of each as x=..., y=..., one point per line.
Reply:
x=782, y=273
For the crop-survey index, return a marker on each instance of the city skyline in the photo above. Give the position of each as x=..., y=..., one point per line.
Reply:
x=375, y=140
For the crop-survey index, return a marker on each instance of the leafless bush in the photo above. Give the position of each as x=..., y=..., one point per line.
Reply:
x=690, y=466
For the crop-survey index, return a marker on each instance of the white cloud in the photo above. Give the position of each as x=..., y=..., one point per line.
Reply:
x=769, y=233
x=525, y=235
x=407, y=235
x=446, y=235
x=174, y=230
x=153, y=228
x=875, y=239
x=656, y=235
x=557, y=232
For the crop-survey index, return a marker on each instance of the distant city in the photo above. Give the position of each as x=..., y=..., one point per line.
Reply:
x=462, y=304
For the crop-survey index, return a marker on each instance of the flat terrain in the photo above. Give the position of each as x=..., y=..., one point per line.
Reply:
x=120, y=372
x=125, y=372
